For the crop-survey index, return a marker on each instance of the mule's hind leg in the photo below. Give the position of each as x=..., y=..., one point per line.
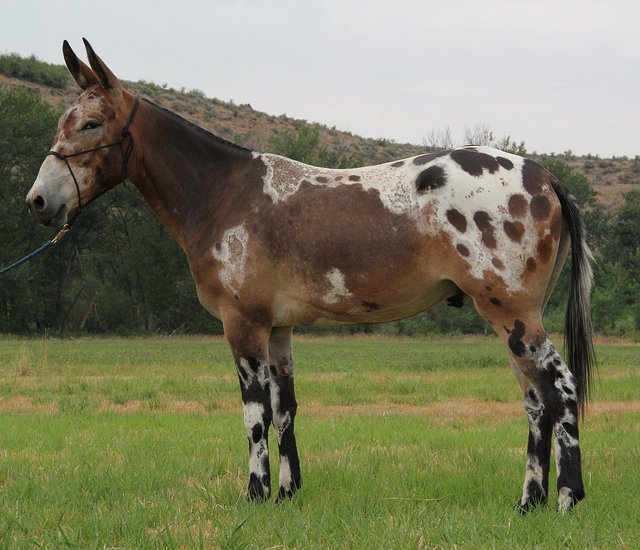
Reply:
x=551, y=404
x=249, y=345
x=283, y=407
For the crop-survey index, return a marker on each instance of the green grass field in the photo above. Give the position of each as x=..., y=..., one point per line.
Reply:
x=138, y=443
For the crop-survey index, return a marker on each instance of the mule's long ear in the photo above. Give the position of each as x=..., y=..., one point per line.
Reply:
x=106, y=78
x=82, y=74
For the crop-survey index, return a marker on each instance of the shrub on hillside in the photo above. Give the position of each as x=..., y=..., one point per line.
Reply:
x=34, y=70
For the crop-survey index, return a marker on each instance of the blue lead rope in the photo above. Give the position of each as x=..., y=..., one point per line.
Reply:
x=65, y=229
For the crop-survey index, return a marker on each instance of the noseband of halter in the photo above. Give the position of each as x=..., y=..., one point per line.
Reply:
x=125, y=135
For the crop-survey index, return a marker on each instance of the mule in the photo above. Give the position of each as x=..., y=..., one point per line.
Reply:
x=274, y=243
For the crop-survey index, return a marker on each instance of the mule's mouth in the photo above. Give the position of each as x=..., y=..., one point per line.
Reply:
x=57, y=220
x=61, y=217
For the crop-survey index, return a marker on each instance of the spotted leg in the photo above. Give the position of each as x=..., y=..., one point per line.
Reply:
x=567, y=447
x=249, y=345
x=283, y=407
x=536, y=481
x=551, y=405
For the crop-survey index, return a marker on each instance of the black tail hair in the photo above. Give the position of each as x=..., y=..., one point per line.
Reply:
x=578, y=334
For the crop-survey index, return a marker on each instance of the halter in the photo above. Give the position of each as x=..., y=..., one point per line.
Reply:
x=124, y=150
x=126, y=153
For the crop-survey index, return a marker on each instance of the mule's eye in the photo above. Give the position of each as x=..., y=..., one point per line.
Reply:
x=91, y=125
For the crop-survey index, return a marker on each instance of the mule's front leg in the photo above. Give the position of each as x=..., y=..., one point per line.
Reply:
x=249, y=345
x=284, y=407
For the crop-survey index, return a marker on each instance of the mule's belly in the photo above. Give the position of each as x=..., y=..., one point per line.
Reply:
x=357, y=307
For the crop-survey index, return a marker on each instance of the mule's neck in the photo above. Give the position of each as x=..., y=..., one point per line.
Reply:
x=187, y=175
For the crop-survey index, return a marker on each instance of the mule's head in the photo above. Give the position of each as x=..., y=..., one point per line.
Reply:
x=89, y=152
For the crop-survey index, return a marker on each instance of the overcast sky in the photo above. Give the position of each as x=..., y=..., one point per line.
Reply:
x=557, y=75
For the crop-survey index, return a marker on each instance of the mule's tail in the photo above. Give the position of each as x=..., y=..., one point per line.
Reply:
x=578, y=333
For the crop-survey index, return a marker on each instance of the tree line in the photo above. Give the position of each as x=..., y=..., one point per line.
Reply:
x=119, y=272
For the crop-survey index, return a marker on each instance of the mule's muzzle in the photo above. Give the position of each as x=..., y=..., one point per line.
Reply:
x=46, y=212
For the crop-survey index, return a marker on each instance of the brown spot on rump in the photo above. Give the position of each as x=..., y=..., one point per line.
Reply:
x=398, y=163
x=322, y=179
x=540, y=207
x=338, y=178
x=354, y=178
x=497, y=263
x=505, y=163
x=424, y=159
x=514, y=230
x=496, y=302
x=432, y=178
x=483, y=222
x=545, y=248
x=457, y=219
x=534, y=177
x=531, y=265
x=463, y=250
x=370, y=306
x=518, y=205
x=474, y=162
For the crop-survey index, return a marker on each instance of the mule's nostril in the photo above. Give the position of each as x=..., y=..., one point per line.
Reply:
x=38, y=203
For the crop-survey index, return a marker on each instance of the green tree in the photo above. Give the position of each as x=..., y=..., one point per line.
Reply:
x=625, y=231
x=27, y=124
x=305, y=146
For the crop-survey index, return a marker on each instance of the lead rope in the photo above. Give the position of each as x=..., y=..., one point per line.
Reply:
x=126, y=153
x=65, y=229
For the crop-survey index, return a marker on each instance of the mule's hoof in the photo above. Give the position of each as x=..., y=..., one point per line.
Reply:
x=258, y=490
x=567, y=499
x=533, y=496
x=530, y=504
x=285, y=493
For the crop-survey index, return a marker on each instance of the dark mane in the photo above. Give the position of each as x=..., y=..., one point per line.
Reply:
x=197, y=128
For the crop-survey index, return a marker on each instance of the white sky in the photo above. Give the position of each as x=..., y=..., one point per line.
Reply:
x=555, y=74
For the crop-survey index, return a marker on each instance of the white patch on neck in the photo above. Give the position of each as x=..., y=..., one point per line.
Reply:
x=232, y=253
x=338, y=289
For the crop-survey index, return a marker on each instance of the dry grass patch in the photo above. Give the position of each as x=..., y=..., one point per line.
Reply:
x=25, y=404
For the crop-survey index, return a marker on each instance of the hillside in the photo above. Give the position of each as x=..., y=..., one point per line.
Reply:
x=610, y=177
